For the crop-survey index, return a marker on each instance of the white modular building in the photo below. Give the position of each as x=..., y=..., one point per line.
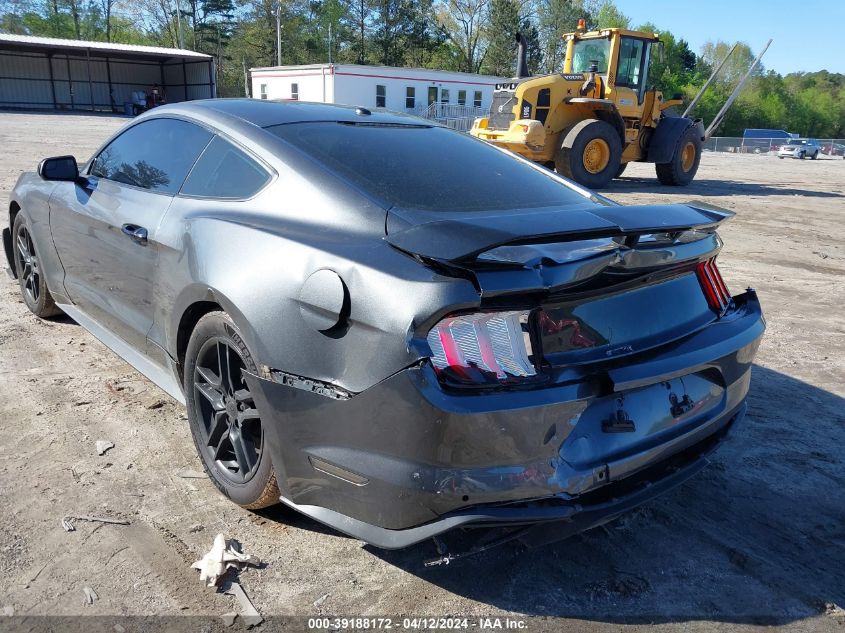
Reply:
x=413, y=90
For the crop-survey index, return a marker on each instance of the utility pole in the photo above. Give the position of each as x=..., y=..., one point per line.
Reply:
x=179, y=24
x=246, y=78
x=330, y=42
x=279, y=33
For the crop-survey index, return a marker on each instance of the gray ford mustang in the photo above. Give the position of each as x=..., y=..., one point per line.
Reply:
x=390, y=326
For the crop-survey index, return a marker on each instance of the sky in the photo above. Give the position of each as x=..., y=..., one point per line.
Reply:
x=808, y=34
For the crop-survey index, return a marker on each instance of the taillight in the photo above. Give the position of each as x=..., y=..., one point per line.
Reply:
x=483, y=346
x=718, y=297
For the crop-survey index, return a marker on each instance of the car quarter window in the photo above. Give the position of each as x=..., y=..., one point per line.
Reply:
x=155, y=154
x=224, y=171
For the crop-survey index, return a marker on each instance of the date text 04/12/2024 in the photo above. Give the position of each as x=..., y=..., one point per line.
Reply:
x=418, y=623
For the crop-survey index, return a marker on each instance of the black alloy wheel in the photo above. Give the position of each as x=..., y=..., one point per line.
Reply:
x=233, y=435
x=225, y=421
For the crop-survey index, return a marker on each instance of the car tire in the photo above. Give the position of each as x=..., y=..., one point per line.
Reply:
x=30, y=272
x=801, y=156
x=225, y=424
x=681, y=169
x=590, y=153
x=814, y=156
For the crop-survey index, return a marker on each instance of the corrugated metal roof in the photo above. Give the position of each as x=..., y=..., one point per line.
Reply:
x=32, y=42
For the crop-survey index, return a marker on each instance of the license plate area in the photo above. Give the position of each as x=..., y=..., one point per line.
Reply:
x=623, y=424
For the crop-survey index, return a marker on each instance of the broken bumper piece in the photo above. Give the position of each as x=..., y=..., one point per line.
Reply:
x=409, y=459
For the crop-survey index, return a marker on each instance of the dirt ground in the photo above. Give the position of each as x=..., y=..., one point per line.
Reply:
x=757, y=539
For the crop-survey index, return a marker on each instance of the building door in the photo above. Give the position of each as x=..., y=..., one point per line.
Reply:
x=432, y=94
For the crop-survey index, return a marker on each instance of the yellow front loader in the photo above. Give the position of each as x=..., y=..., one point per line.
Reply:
x=599, y=114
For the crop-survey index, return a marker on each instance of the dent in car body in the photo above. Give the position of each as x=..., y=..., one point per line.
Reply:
x=434, y=452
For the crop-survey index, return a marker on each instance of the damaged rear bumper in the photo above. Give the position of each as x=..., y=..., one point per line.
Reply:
x=406, y=460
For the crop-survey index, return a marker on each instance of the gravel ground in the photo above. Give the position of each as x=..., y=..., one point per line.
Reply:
x=757, y=539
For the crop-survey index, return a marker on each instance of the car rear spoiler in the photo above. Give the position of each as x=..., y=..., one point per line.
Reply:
x=462, y=237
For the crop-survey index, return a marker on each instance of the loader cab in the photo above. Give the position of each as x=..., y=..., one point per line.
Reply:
x=622, y=58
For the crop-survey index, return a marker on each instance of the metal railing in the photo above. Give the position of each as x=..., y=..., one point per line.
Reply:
x=458, y=117
x=740, y=145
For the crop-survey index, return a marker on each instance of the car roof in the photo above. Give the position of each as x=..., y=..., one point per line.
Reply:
x=265, y=112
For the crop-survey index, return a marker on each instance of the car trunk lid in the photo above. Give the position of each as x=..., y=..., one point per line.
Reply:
x=461, y=236
x=602, y=282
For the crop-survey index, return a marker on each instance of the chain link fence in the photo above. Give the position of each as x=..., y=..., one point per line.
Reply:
x=740, y=145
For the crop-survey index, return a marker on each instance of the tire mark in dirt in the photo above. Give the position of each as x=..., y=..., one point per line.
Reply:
x=169, y=560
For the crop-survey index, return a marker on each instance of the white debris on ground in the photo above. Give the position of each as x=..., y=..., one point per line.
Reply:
x=102, y=446
x=90, y=595
x=249, y=614
x=224, y=555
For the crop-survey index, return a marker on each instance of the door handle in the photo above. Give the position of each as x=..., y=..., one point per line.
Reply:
x=137, y=233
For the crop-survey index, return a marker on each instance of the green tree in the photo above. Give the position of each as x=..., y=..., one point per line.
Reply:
x=555, y=19
x=403, y=31
x=462, y=24
x=502, y=24
x=609, y=16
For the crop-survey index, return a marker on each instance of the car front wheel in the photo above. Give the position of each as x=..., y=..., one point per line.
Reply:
x=28, y=265
x=224, y=420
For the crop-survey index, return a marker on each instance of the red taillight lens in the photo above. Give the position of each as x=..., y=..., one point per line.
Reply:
x=718, y=297
x=484, y=346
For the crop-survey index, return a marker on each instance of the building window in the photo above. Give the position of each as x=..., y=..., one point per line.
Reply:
x=381, y=97
x=263, y=91
x=444, y=95
x=477, y=100
x=410, y=97
x=462, y=97
x=294, y=92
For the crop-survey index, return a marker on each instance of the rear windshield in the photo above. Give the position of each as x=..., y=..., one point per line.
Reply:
x=426, y=168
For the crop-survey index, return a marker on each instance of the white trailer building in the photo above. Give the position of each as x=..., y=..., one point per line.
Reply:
x=438, y=93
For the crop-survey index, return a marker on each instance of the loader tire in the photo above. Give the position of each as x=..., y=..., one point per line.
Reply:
x=621, y=170
x=590, y=153
x=680, y=170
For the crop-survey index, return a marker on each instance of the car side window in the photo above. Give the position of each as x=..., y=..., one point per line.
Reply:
x=224, y=171
x=155, y=155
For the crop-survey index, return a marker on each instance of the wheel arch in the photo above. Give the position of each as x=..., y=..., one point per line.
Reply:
x=193, y=304
x=8, y=248
x=613, y=118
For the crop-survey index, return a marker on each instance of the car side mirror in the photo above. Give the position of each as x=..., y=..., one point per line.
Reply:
x=59, y=168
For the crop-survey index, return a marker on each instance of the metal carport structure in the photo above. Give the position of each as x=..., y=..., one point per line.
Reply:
x=51, y=73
